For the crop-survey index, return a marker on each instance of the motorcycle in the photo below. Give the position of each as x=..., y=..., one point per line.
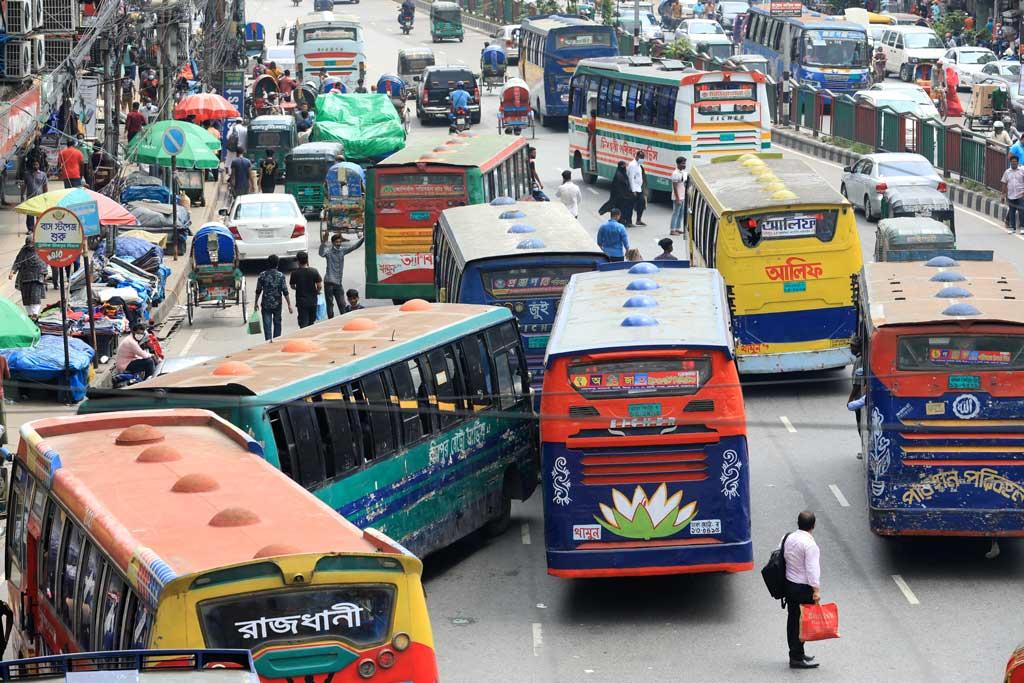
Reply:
x=460, y=121
x=405, y=21
x=295, y=3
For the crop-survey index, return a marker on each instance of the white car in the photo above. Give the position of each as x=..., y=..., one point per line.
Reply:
x=508, y=37
x=265, y=224
x=1002, y=71
x=866, y=181
x=905, y=100
x=967, y=62
x=707, y=36
x=650, y=27
x=283, y=56
x=917, y=92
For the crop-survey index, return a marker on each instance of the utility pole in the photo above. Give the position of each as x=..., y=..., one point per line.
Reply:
x=110, y=102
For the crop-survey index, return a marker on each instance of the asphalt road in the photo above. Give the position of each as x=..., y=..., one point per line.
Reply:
x=923, y=610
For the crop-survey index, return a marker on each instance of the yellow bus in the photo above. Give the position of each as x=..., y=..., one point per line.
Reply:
x=786, y=244
x=165, y=529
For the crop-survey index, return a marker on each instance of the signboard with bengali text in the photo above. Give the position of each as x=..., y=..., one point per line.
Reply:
x=58, y=236
x=786, y=9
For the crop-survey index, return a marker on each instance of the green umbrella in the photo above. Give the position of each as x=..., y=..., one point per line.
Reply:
x=147, y=147
x=16, y=330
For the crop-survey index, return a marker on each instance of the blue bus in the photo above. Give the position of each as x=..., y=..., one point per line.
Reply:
x=519, y=256
x=550, y=47
x=816, y=49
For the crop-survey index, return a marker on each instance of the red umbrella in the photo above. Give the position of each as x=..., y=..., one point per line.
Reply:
x=205, y=106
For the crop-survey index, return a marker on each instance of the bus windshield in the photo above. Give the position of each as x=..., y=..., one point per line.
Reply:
x=582, y=38
x=835, y=48
x=537, y=281
x=641, y=377
x=960, y=352
x=357, y=614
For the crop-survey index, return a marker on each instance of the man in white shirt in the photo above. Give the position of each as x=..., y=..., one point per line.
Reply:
x=679, y=177
x=635, y=174
x=150, y=111
x=803, y=584
x=570, y=194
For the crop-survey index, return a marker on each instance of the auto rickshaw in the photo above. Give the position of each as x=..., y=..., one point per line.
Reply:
x=922, y=74
x=192, y=183
x=330, y=82
x=412, y=62
x=492, y=66
x=445, y=21
x=262, y=88
x=514, y=111
x=305, y=170
x=215, y=278
x=277, y=133
x=916, y=200
x=909, y=235
x=394, y=87
x=255, y=38
x=344, y=200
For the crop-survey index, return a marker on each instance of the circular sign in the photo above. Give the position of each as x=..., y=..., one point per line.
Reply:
x=173, y=140
x=966, y=406
x=58, y=237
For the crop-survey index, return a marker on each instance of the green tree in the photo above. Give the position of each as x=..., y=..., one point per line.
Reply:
x=548, y=7
x=680, y=48
x=607, y=13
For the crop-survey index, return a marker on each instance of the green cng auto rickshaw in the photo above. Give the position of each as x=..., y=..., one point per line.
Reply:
x=917, y=200
x=274, y=132
x=445, y=21
x=306, y=171
x=412, y=61
x=907, y=235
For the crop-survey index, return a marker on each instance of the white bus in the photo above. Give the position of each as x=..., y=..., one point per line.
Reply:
x=666, y=109
x=325, y=40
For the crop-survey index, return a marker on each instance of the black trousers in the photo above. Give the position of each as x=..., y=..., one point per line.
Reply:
x=146, y=365
x=796, y=594
x=334, y=293
x=307, y=315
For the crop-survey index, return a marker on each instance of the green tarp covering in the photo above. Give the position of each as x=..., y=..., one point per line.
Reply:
x=368, y=125
x=16, y=330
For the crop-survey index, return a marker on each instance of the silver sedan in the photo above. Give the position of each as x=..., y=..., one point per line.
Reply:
x=866, y=181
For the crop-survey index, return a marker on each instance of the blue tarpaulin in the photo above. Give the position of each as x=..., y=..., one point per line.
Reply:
x=44, y=362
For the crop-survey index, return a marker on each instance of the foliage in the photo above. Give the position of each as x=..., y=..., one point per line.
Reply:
x=680, y=48
x=548, y=7
x=607, y=13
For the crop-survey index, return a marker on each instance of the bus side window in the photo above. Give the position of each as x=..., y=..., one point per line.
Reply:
x=420, y=374
x=308, y=444
x=444, y=386
x=503, y=373
x=284, y=440
x=112, y=612
x=748, y=29
x=342, y=452
x=631, y=101
x=408, y=405
x=602, y=98
x=86, y=603
x=51, y=551
x=616, y=106
x=666, y=106
x=776, y=39
x=479, y=384
x=712, y=239
x=385, y=440
x=762, y=25
x=137, y=624
x=18, y=506
x=69, y=577
x=361, y=412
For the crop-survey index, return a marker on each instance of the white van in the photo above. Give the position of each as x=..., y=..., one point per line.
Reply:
x=905, y=46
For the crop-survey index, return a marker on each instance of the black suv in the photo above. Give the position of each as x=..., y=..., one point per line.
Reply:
x=436, y=83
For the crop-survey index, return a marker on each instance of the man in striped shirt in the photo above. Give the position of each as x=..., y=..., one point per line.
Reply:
x=803, y=584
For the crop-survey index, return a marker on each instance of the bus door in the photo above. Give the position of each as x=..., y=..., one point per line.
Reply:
x=944, y=434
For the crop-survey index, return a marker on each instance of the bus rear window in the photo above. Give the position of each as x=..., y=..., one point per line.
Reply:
x=583, y=38
x=360, y=615
x=333, y=33
x=402, y=185
x=641, y=377
x=514, y=283
x=960, y=352
x=820, y=223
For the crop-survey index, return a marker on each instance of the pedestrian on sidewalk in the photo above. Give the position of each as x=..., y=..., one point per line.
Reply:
x=240, y=174
x=270, y=285
x=570, y=194
x=69, y=164
x=612, y=237
x=31, y=277
x=803, y=584
x=35, y=184
x=268, y=173
x=1013, y=194
x=150, y=111
x=620, y=197
x=134, y=122
x=307, y=283
x=641, y=200
x=679, y=177
x=131, y=357
x=666, y=250
x=334, y=255
x=635, y=174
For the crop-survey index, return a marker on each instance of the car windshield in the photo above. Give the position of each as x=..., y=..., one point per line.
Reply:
x=734, y=7
x=977, y=57
x=918, y=41
x=1010, y=69
x=841, y=49
x=900, y=105
x=250, y=210
x=918, y=167
x=698, y=28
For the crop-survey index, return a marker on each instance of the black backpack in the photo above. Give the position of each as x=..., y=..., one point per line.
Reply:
x=774, y=571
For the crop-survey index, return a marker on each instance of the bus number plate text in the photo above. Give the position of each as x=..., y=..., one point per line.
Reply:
x=794, y=287
x=638, y=422
x=645, y=409
x=705, y=527
x=964, y=382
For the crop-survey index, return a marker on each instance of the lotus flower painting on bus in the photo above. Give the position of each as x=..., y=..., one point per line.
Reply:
x=643, y=517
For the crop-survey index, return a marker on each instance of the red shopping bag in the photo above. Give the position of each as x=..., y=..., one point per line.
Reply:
x=819, y=622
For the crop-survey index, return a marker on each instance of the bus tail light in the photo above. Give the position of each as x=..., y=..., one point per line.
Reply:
x=298, y=231
x=751, y=223
x=942, y=186
x=386, y=659
x=234, y=232
x=881, y=187
x=367, y=668
x=401, y=642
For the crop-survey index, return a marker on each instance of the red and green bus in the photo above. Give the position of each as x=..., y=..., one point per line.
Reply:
x=407, y=192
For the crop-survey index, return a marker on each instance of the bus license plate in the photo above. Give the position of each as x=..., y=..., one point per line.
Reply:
x=419, y=215
x=794, y=287
x=538, y=342
x=964, y=382
x=644, y=409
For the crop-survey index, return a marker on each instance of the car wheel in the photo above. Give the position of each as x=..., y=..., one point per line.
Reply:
x=842, y=191
x=868, y=214
x=904, y=74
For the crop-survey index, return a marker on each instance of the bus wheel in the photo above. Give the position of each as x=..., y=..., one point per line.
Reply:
x=540, y=117
x=500, y=523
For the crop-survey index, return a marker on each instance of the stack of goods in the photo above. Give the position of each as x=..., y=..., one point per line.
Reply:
x=42, y=366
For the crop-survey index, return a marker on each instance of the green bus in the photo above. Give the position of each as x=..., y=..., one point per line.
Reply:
x=415, y=419
x=406, y=193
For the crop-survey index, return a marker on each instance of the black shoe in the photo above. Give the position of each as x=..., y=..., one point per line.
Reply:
x=803, y=664
x=808, y=658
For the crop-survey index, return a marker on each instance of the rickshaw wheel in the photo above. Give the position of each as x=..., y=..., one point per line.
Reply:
x=189, y=304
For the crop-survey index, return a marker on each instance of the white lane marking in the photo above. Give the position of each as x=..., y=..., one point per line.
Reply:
x=839, y=495
x=905, y=589
x=192, y=339
x=787, y=424
x=526, y=533
x=538, y=639
x=592, y=190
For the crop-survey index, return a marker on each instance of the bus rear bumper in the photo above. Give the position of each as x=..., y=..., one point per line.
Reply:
x=651, y=561
x=947, y=522
x=796, y=361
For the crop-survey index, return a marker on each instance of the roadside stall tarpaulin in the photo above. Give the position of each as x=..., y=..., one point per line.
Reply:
x=44, y=363
x=368, y=125
x=16, y=330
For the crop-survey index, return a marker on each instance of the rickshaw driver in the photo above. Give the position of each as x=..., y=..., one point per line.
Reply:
x=878, y=64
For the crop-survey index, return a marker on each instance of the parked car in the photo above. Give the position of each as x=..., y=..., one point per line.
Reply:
x=901, y=100
x=650, y=27
x=727, y=11
x=434, y=86
x=706, y=36
x=967, y=61
x=907, y=45
x=508, y=35
x=912, y=89
x=1004, y=70
x=866, y=181
x=265, y=224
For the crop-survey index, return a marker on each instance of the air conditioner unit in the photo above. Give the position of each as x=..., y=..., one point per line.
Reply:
x=37, y=13
x=57, y=50
x=38, y=43
x=17, y=60
x=18, y=17
x=60, y=15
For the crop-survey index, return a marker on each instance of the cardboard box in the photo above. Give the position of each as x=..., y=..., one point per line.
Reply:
x=981, y=99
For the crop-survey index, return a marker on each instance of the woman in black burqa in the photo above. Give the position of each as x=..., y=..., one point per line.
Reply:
x=621, y=198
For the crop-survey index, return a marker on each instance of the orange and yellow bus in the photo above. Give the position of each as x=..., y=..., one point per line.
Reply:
x=164, y=529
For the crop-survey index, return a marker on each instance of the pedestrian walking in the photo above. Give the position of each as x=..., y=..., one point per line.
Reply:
x=570, y=194
x=307, y=283
x=268, y=173
x=352, y=296
x=666, y=250
x=239, y=174
x=641, y=199
x=1013, y=194
x=69, y=164
x=30, y=273
x=620, y=198
x=1017, y=149
x=34, y=184
x=612, y=237
x=635, y=174
x=270, y=286
x=134, y=122
x=679, y=178
x=150, y=111
x=535, y=183
x=334, y=255
x=803, y=584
